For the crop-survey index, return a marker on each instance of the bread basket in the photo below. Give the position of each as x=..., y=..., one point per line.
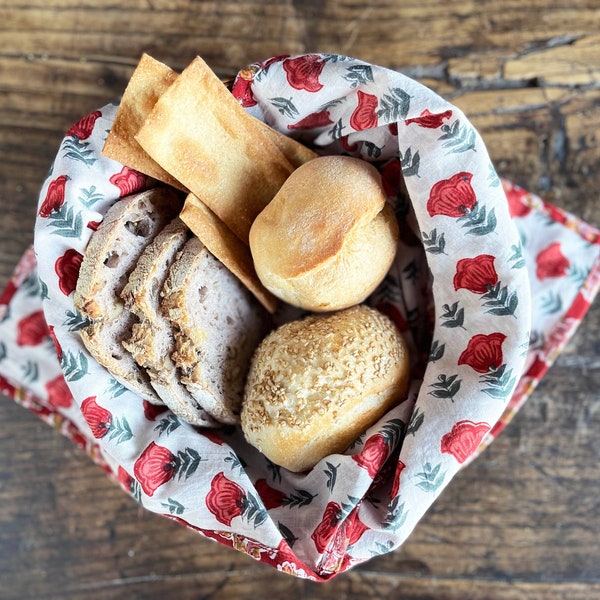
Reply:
x=472, y=263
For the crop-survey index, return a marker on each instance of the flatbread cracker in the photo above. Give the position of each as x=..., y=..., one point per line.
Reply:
x=293, y=150
x=149, y=81
x=201, y=135
x=226, y=247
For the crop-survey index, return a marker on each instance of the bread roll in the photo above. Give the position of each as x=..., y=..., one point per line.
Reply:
x=328, y=237
x=315, y=384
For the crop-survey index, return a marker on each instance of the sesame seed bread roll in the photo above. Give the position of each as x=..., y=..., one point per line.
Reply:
x=317, y=383
x=328, y=237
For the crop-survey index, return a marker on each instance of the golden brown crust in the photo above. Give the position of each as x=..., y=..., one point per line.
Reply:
x=149, y=81
x=200, y=134
x=328, y=237
x=315, y=384
x=227, y=247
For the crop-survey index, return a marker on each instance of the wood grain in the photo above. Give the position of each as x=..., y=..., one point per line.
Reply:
x=522, y=521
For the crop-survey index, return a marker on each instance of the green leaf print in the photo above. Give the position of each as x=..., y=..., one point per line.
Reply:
x=446, y=387
x=430, y=478
x=285, y=106
x=551, y=303
x=89, y=196
x=168, y=425
x=119, y=430
x=434, y=243
x=416, y=420
x=394, y=105
x=74, y=365
x=30, y=371
x=454, y=316
x=174, y=507
x=79, y=151
x=517, y=259
x=66, y=222
x=410, y=163
x=478, y=221
x=500, y=301
x=358, y=75
x=458, y=138
x=299, y=498
x=500, y=382
x=396, y=515
x=331, y=474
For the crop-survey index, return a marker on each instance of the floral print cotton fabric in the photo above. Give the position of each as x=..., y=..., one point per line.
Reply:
x=478, y=257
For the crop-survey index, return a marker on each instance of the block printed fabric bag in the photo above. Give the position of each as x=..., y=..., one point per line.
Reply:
x=488, y=285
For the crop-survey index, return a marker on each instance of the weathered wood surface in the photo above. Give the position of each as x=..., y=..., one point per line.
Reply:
x=524, y=520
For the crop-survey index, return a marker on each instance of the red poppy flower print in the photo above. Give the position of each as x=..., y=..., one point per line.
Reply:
x=551, y=262
x=214, y=436
x=354, y=528
x=321, y=118
x=303, y=72
x=452, y=197
x=327, y=527
x=154, y=467
x=226, y=499
x=67, y=268
x=151, y=411
x=400, y=466
x=84, y=127
x=483, y=352
x=476, y=274
x=464, y=438
x=98, y=418
x=57, y=347
x=32, y=329
x=55, y=196
x=578, y=308
x=373, y=455
x=59, y=394
x=430, y=120
x=364, y=115
x=128, y=181
x=93, y=225
x=270, y=497
x=125, y=479
x=242, y=88
x=516, y=204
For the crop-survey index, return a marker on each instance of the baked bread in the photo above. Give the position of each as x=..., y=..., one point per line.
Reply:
x=328, y=237
x=152, y=342
x=315, y=384
x=217, y=325
x=200, y=134
x=111, y=254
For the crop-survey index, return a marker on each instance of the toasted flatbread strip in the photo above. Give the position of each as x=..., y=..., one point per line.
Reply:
x=293, y=150
x=149, y=81
x=227, y=247
x=200, y=134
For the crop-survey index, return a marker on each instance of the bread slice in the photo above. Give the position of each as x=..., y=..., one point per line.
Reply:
x=152, y=342
x=111, y=255
x=217, y=325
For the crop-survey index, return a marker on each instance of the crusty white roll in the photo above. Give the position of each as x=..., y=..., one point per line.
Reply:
x=317, y=383
x=328, y=237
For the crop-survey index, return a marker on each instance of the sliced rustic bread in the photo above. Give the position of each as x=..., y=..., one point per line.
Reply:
x=112, y=253
x=217, y=325
x=152, y=342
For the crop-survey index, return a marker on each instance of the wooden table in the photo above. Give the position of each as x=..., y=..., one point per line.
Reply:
x=524, y=520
